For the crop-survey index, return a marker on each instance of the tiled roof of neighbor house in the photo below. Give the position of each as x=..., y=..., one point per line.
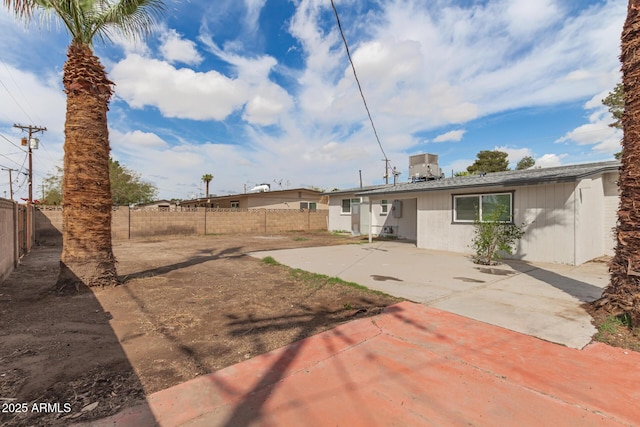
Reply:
x=501, y=179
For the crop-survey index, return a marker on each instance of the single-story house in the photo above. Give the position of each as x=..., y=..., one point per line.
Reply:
x=569, y=212
x=296, y=198
x=158, y=205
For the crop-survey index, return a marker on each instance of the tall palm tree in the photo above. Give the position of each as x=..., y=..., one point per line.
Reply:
x=622, y=295
x=87, y=257
x=207, y=178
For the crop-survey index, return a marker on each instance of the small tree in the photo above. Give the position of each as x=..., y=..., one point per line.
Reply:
x=525, y=163
x=615, y=103
x=494, y=235
x=490, y=161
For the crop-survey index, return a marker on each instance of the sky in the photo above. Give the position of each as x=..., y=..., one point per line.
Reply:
x=261, y=91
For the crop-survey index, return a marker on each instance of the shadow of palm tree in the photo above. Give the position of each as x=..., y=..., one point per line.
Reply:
x=583, y=291
x=152, y=272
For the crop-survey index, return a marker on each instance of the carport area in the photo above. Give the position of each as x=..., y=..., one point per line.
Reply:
x=541, y=300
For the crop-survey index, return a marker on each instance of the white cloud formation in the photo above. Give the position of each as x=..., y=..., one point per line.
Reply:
x=550, y=160
x=514, y=154
x=181, y=93
x=451, y=136
x=174, y=48
x=423, y=66
x=597, y=133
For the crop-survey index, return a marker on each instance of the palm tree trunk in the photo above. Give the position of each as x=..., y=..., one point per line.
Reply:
x=87, y=257
x=622, y=295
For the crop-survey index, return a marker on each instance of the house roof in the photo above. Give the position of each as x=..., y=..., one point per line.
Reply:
x=534, y=176
x=273, y=193
x=356, y=189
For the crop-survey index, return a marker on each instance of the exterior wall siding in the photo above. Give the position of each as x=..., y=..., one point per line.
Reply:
x=337, y=220
x=546, y=210
x=610, y=211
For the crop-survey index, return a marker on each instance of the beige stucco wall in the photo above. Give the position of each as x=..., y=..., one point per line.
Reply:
x=562, y=225
x=337, y=220
x=546, y=210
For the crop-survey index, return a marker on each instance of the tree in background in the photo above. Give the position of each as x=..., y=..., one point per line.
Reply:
x=53, y=188
x=489, y=161
x=87, y=256
x=525, y=163
x=621, y=297
x=127, y=187
x=207, y=178
x=615, y=102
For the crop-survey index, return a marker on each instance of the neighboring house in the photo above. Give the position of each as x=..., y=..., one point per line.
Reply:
x=297, y=198
x=569, y=212
x=158, y=205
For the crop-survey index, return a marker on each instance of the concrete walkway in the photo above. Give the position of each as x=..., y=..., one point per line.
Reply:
x=409, y=366
x=417, y=365
x=542, y=300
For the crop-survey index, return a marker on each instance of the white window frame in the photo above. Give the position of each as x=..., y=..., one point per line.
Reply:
x=312, y=206
x=342, y=207
x=384, y=207
x=479, y=197
x=235, y=204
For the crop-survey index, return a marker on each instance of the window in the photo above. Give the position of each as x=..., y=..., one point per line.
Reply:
x=346, y=205
x=235, y=204
x=384, y=204
x=312, y=206
x=469, y=207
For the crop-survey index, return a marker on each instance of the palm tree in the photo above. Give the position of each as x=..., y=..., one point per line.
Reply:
x=87, y=257
x=622, y=295
x=207, y=178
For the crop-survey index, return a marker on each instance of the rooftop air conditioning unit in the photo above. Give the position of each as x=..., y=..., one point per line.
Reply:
x=423, y=167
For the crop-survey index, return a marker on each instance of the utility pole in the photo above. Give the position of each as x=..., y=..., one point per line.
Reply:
x=10, y=182
x=386, y=170
x=31, y=143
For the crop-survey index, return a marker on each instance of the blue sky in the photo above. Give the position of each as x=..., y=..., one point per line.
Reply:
x=260, y=91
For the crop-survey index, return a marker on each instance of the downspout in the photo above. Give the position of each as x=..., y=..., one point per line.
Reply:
x=575, y=234
x=370, y=220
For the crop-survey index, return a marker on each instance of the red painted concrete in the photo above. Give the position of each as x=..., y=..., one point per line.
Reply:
x=410, y=366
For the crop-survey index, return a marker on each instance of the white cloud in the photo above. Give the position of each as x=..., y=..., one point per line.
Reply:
x=254, y=8
x=184, y=93
x=139, y=139
x=597, y=133
x=514, y=154
x=176, y=49
x=451, y=136
x=550, y=160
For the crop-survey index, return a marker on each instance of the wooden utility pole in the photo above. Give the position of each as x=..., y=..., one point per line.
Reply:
x=30, y=144
x=10, y=182
x=386, y=170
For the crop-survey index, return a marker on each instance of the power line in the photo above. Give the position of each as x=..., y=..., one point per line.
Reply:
x=11, y=142
x=19, y=89
x=346, y=46
x=11, y=160
x=15, y=100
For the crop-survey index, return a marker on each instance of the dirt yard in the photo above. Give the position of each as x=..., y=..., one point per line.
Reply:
x=188, y=306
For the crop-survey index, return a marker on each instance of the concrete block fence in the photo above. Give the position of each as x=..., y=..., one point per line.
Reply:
x=130, y=223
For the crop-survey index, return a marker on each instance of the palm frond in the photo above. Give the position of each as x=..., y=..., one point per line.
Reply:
x=132, y=18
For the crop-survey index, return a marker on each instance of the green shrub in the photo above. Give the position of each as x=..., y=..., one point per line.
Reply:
x=493, y=236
